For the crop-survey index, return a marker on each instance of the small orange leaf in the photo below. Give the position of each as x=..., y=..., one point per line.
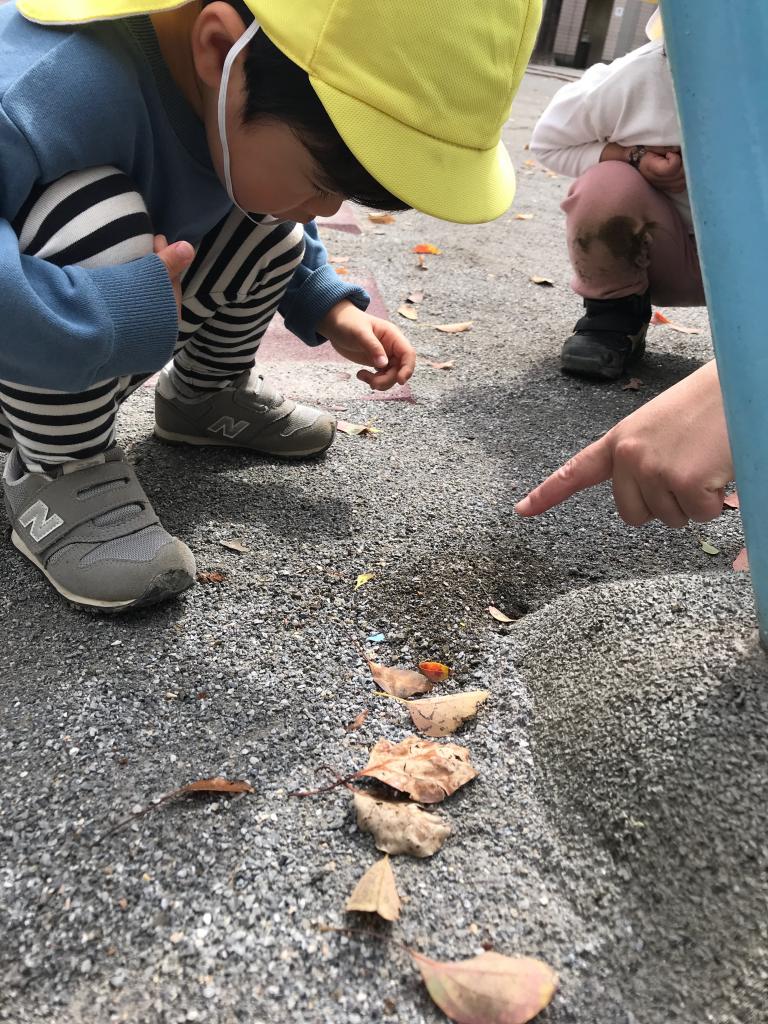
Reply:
x=211, y=577
x=523, y=216
x=341, y=271
x=216, y=785
x=434, y=670
x=741, y=563
x=358, y=722
x=381, y=218
x=426, y=247
x=489, y=988
x=658, y=317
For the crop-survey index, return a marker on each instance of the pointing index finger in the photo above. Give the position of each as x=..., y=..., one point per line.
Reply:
x=591, y=466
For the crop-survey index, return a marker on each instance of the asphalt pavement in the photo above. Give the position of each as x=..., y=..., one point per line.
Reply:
x=617, y=826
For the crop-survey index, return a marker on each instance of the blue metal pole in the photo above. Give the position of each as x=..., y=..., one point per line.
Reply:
x=718, y=50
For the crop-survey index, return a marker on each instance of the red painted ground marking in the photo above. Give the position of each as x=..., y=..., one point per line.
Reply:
x=344, y=220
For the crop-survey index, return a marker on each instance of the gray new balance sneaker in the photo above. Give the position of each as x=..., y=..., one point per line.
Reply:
x=251, y=414
x=91, y=530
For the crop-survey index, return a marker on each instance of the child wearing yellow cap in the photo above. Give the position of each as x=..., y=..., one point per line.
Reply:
x=225, y=129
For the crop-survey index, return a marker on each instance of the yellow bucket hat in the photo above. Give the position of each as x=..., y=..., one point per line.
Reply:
x=418, y=89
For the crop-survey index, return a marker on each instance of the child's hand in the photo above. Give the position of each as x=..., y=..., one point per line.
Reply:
x=177, y=258
x=670, y=460
x=371, y=341
x=663, y=169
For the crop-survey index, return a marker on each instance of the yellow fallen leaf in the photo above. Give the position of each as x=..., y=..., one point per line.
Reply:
x=426, y=771
x=400, y=827
x=363, y=578
x=356, y=429
x=459, y=328
x=400, y=682
x=499, y=616
x=409, y=312
x=489, y=988
x=341, y=271
x=441, y=716
x=434, y=670
x=381, y=218
x=543, y=281
x=376, y=892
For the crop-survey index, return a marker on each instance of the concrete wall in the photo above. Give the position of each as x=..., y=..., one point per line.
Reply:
x=626, y=28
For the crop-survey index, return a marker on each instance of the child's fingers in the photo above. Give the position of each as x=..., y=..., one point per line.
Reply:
x=159, y=243
x=176, y=258
x=381, y=381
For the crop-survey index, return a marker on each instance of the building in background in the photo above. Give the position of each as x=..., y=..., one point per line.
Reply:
x=577, y=33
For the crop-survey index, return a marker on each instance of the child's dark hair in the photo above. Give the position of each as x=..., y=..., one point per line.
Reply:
x=279, y=90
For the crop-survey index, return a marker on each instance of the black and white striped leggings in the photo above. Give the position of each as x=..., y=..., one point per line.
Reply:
x=95, y=218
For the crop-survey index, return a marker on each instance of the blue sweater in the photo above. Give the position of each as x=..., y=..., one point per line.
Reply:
x=85, y=96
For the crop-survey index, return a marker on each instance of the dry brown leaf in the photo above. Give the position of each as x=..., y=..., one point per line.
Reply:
x=415, y=297
x=459, y=328
x=409, y=312
x=400, y=682
x=489, y=988
x=443, y=366
x=523, y=216
x=731, y=500
x=215, y=785
x=235, y=545
x=426, y=771
x=211, y=577
x=381, y=218
x=434, y=670
x=376, y=892
x=543, y=281
x=356, y=429
x=633, y=384
x=741, y=562
x=357, y=722
x=441, y=716
x=400, y=827
x=499, y=616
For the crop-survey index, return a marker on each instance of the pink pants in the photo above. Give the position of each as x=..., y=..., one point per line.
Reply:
x=624, y=236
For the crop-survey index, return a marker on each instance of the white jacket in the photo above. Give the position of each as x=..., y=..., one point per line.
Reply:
x=630, y=101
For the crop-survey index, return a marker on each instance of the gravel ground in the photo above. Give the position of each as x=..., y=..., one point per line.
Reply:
x=617, y=827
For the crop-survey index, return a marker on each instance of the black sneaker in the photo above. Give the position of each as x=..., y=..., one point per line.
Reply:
x=608, y=338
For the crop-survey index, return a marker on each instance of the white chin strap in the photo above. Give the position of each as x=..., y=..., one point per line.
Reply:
x=241, y=43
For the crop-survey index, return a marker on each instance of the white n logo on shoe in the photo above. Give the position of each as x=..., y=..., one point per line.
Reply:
x=39, y=522
x=227, y=427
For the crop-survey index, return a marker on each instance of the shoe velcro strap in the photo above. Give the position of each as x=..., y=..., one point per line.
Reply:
x=61, y=509
x=609, y=321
